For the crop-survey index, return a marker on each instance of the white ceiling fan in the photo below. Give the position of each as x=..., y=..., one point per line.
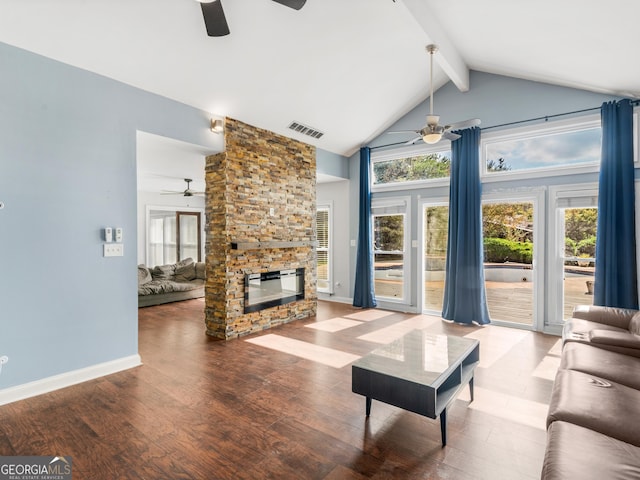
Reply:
x=187, y=192
x=433, y=132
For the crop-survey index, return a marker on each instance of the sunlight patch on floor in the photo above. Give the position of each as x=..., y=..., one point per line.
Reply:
x=393, y=332
x=368, y=315
x=557, y=348
x=547, y=368
x=508, y=407
x=495, y=342
x=308, y=351
x=334, y=324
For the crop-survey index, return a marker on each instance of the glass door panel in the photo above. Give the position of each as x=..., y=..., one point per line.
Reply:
x=578, y=227
x=508, y=234
x=162, y=238
x=188, y=235
x=434, y=252
x=388, y=249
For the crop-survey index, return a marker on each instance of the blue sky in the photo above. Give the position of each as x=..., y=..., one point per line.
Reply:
x=548, y=151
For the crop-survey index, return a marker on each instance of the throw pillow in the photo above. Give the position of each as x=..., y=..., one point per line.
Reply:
x=186, y=261
x=144, y=275
x=185, y=273
x=163, y=272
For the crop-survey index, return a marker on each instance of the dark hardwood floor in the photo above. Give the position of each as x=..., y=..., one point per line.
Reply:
x=207, y=409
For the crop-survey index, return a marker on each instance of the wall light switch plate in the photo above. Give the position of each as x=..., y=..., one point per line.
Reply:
x=353, y=243
x=118, y=234
x=108, y=234
x=113, y=250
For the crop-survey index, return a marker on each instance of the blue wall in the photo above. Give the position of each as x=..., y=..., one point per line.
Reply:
x=332, y=164
x=68, y=169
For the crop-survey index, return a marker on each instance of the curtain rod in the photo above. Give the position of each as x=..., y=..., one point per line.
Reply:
x=545, y=118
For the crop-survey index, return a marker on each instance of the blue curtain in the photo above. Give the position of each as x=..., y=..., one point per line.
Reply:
x=615, y=279
x=363, y=294
x=464, y=292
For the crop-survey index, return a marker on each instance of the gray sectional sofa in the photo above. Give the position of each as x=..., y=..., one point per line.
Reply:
x=594, y=414
x=170, y=283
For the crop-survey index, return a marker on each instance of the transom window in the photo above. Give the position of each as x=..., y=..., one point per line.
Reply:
x=543, y=148
x=412, y=167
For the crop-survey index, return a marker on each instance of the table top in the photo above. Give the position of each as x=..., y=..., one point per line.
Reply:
x=419, y=357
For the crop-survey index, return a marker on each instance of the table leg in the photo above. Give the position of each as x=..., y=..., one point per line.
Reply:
x=368, y=406
x=471, y=389
x=443, y=426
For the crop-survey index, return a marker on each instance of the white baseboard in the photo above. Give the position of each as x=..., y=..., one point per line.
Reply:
x=333, y=298
x=49, y=384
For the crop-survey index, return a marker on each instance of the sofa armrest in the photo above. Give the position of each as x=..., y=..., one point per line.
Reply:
x=613, y=338
x=616, y=317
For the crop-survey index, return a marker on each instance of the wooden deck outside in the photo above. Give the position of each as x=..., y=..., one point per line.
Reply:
x=507, y=301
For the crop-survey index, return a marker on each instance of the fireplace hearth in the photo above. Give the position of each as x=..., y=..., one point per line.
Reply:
x=270, y=289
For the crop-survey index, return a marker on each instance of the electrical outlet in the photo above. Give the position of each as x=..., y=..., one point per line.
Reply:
x=113, y=250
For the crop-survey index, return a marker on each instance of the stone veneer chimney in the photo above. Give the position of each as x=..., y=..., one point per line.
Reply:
x=258, y=171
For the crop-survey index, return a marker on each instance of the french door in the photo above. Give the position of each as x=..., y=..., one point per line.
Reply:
x=575, y=215
x=513, y=226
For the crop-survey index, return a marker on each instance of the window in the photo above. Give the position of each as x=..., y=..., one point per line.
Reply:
x=415, y=166
x=390, y=236
x=323, y=235
x=561, y=145
x=173, y=236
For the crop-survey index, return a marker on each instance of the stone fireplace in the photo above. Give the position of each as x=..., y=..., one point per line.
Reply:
x=261, y=209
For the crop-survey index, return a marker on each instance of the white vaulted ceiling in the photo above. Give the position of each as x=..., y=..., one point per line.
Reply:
x=349, y=68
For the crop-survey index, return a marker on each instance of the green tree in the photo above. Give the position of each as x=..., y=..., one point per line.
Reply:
x=388, y=232
x=422, y=167
x=499, y=165
x=511, y=221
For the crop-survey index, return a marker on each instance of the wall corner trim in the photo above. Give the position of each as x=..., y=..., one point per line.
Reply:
x=56, y=382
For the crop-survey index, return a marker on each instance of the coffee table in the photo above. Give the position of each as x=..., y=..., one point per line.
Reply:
x=420, y=372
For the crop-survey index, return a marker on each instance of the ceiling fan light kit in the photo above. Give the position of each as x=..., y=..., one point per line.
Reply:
x=433, y=132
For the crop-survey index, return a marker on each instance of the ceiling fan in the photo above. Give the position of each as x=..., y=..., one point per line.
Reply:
x=216, y=22
x=187, y=192
x=433, y=132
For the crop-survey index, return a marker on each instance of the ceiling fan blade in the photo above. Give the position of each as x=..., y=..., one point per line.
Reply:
x=295, y=4
x=405, y=131
x=450, y=135
x=214, y=19
x=411, y=142
x=473, y=122
x=166, y=192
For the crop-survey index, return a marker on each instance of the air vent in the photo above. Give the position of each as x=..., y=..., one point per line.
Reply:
x=312, y=132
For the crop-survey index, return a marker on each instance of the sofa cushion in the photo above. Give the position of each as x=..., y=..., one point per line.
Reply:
x=144, y=275
x=575, y=452
x=634, y=324
x=183, y=286
x=155, y=287
x=617, y=367
x=185, y=273
x=609, y=337
x=163, y=272
x=597, y=404
x=601, y=335
x=200, y=270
